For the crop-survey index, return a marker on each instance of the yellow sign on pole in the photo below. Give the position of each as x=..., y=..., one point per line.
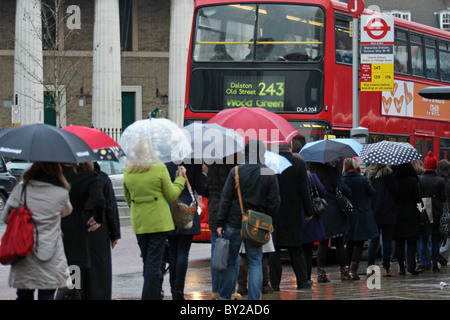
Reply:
x=377, y=77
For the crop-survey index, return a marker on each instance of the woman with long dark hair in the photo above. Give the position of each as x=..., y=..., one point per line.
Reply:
x=47, y=196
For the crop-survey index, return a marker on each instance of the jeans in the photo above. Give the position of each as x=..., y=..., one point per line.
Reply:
x=179, y=246
x=28, y=294
x=254, y=256
x=152, y=247
x=429, y=250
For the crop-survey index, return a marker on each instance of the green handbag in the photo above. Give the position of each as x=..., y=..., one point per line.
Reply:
x=256, y=226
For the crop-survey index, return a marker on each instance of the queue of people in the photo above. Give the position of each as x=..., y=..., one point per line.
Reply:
x=386, y=212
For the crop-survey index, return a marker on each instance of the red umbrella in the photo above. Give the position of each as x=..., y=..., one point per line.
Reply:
x=95, y=138
x=256, y=123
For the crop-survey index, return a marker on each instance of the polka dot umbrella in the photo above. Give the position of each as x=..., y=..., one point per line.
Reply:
x=389, y=152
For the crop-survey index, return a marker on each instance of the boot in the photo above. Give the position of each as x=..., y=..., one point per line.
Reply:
x=354, y=270
x=387, y=273
x=266, y=287
x=322, y=275
x=242, y=276
x=344, y=274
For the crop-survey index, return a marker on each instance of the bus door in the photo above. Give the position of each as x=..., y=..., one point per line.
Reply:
x=424, y=142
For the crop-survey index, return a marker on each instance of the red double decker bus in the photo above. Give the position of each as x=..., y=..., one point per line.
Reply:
x=294, y=57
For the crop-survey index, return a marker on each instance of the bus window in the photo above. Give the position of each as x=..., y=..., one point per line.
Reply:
x=343, y=39
x=431, y=58
x=416, y=55
x=401, y=52
x=444, y=148
x=228, y=28
x=291, y=25
x=444, y=60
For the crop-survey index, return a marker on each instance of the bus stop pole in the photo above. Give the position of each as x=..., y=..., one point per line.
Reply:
x=355, y=86
x=358, y=133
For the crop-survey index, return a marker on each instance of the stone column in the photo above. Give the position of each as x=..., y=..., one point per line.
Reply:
x=106, y=77
x=28, y=62
x=180, y=32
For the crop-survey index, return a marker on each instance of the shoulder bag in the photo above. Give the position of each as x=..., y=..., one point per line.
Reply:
x=183, y=214
x=343, y=202
x=319, y=204
x=256, y=226
x=18, y=239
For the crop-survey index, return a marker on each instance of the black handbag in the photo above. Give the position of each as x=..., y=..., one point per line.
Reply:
x=219, y=260
x=319, y=204
x=343, y=202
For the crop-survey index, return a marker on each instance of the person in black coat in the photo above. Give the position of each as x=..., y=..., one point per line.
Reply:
x=260, y=192
x=295, y=201
x=180, y=239
x=334, y=219
x=362, y=221
x=431, y=186
x=85, y=185
x=406, y=230
x=99, y=275
x=383, y=181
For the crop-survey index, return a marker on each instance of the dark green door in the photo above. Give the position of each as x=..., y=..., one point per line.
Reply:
x=128, y=101
x=49, y=109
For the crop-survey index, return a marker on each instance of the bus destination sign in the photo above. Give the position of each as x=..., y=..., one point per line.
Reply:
x=264, y=92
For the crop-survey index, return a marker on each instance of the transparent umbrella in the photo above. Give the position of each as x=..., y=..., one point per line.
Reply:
x=164, y=139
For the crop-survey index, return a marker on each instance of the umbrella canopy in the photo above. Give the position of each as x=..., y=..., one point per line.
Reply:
x=110, y=154
x=327, y=150
x=166, y=139
x=276, y=162
x=44, y=143
x=210, y=141
x=257, y=123
x=389, y=152
x=95, y=138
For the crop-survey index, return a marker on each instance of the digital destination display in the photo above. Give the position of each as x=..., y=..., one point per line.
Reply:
x=254, y=91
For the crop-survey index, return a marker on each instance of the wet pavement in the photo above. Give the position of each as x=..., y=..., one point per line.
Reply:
x=128, y=280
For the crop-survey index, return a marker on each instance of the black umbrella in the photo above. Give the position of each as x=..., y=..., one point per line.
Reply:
x=44, y=143
x=389, y=152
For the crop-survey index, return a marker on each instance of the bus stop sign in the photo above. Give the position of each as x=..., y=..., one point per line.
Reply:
x=355, y=7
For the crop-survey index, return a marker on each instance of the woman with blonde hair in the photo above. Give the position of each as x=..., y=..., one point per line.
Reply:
x=147, y=188
x=362, y=221
x=47, y=196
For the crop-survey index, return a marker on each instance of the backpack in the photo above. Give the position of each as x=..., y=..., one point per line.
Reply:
x=18, y=239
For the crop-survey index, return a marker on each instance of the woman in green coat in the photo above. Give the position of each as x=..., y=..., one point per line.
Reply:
x=147, y=187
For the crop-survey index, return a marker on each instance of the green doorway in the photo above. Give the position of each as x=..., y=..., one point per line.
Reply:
x=49, y=109
x=128, y=108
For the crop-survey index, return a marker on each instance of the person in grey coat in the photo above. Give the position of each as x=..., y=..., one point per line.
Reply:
x=47, y=196
x=362, y=221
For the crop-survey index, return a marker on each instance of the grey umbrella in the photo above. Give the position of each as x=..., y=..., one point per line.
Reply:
x=44, y=143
